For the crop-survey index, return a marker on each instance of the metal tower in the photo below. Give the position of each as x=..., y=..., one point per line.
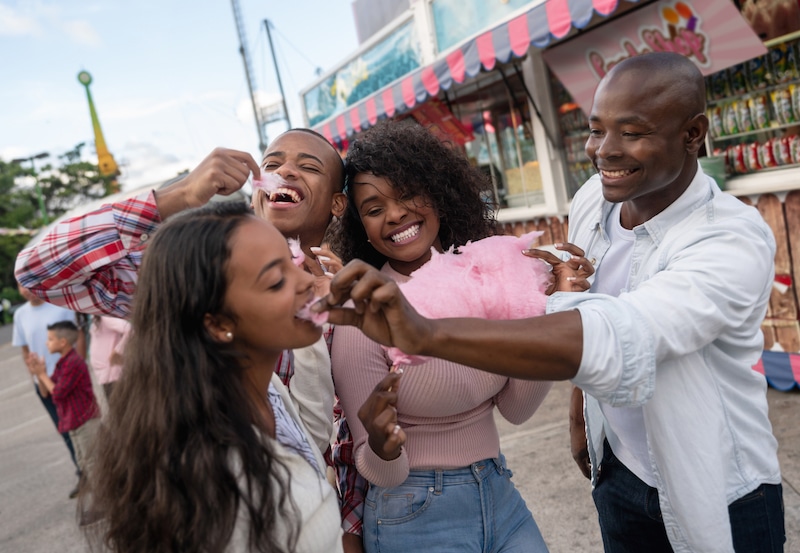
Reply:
x=248, y=71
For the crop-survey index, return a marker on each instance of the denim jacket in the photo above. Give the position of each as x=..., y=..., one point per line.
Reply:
x=680, y=342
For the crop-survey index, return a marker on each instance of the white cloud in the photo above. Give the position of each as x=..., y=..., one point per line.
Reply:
x=145, y=163
x=15, y=23
x=81, y=32
x=39, y=19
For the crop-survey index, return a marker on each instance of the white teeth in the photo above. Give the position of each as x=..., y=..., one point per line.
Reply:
x=406, y=234
x=616, y=174
x=292, y=194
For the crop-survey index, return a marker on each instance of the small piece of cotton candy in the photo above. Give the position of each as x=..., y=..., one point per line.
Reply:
x=298, y=256
x=269, y=182
x=306, y=314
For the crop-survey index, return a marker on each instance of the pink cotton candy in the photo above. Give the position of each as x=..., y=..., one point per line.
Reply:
x=490, y=279
x=298, y=255
x=305, y=313
x=269, y=182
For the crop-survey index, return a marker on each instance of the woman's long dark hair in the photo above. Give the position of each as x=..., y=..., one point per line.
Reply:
x=416, y=163
x=162, y=476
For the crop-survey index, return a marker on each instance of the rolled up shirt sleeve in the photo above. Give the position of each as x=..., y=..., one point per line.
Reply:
x=89, y=263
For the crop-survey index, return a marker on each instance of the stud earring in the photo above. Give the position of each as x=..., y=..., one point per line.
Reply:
x=229, y=335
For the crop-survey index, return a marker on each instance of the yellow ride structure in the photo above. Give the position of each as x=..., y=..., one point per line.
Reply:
x=108, y=166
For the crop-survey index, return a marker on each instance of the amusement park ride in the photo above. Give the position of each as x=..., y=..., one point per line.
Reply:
x=108, y=167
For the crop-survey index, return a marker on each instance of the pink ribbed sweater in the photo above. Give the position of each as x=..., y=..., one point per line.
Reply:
x=446, y=409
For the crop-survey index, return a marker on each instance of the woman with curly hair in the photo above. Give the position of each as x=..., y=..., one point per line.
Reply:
x=203, y=448
x=438, y=481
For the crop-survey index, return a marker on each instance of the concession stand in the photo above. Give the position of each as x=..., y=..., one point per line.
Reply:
x=511, y=81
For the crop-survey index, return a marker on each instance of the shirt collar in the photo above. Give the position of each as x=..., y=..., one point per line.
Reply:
x=699, y=191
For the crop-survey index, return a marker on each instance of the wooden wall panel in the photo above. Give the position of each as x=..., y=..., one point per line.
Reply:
x=769, y=330
x=557, y=230
x=783, y=306
x=547, y=235
x=791, y=208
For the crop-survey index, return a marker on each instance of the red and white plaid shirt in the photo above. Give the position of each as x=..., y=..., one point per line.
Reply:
x=90, y=264
x=73, y=396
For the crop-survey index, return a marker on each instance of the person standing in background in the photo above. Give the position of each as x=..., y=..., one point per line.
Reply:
x=106, y=336
x=71, y=390
x=30, y=334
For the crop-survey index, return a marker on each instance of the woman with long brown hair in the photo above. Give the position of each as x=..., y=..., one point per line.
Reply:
x=203, y=448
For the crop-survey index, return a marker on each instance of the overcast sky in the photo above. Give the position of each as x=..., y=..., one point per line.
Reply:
x=168, y=80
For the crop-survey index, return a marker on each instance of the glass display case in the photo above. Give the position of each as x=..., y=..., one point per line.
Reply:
x=574, y=130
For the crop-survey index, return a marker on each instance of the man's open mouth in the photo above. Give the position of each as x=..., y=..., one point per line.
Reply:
x=285, y=195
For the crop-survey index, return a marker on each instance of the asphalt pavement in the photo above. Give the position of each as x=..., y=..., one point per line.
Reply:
x=36, y=474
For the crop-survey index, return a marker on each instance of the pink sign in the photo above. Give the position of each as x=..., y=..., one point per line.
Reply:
x=711, y=33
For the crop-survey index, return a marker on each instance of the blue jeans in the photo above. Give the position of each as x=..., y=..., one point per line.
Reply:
x=470, y=509
x=630, y=515
x=50, y=407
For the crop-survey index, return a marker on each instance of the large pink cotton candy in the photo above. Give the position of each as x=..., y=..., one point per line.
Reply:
x=490, y=279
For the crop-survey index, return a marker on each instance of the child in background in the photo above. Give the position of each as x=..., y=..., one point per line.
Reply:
x=71, y=390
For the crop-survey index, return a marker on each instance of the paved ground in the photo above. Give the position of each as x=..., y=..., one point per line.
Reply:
x=36, y=474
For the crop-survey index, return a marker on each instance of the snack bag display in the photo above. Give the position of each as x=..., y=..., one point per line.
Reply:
x=759, y=112
x=751, y=161
x=794, y=148
x=719, y=86
x=758, y=72
x=766, y=156
x=737, y=76
x=730, y=118
x=784, y=62
x=715, y=121
x=781, y=150
x=736, y=157
x=782, y=105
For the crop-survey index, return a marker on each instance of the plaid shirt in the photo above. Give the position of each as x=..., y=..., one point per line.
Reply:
x=90, y=263
x=73, y=396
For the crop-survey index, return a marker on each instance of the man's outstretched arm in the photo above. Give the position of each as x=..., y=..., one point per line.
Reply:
x=542, y=348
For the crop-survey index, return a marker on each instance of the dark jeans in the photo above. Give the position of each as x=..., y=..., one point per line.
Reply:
x=630, y=515
x=51, y=410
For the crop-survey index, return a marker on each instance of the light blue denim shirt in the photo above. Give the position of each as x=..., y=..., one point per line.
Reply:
x=680, y=342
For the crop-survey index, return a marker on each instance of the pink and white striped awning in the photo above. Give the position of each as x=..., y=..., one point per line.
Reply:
x=540, y=25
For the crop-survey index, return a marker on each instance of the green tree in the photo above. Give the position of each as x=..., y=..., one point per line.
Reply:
x=18, y=206
x=63, y=187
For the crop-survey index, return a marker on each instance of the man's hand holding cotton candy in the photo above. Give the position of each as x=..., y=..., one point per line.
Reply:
x=223, y=171
x=378, y=307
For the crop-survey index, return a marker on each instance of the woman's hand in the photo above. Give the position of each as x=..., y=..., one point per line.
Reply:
x=571, y=269
x=323, y=264
x=379, y=416
x=328, y=261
